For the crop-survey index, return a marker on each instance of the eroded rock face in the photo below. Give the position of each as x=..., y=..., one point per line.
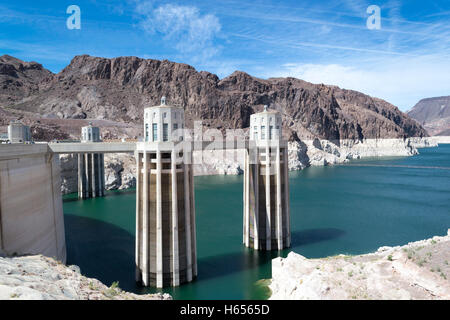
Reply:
x=19, y=79
x=418, y=270
x=69, y=173
x=297, y=155
x=433, y=114
x=120, y=171
x=118, y=89
x=218, y=162
x=42, y=278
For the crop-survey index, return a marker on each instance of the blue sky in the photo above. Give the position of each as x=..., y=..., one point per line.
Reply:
x=318, y=41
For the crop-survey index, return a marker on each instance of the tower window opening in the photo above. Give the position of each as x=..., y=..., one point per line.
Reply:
x=155, y=131
x=165, y=132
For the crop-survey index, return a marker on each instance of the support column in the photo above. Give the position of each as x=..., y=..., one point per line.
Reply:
x=193, y=223
x=247, y=186
x=138, y=234
x=145, y=227
x=256, y=192
x=279, y=201
x=88, y=174
x=287, y=197
x=159, y=238
x=99, y=177
x=81, y=177
x=93, y=177
x=102, y=166
x=175, y=244
x=268, y=208
x=187, y=208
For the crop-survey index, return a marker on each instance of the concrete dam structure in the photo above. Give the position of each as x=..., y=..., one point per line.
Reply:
x=31, y=213
x=266, y=185
x=165, y=211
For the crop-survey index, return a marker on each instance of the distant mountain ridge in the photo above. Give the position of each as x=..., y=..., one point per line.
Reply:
x=115, y=92
x=433, y=114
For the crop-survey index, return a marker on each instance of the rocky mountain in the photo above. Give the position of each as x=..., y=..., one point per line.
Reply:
x=115, y=91
x=19, y=79
x=433, y=114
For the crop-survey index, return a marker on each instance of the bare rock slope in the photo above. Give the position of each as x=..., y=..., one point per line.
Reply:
x=418, y=270
x=117, y=90
x=43, y=278
x=433, y=114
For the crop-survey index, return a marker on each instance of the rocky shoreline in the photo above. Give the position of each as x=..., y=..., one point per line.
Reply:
x=120, y=168
x=42, y=278
x=419, y=270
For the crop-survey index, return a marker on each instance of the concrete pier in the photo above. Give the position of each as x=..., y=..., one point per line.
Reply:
x=91, y=167
x=91, y=175
x=165, y=211
x=31, y=213
x=266, y=224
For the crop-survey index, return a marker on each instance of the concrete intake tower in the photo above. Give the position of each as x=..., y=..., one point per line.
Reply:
x=165, y=211
x=91, y=167
x=266, y=185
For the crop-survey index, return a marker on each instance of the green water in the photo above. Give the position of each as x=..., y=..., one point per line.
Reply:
x=339, y=209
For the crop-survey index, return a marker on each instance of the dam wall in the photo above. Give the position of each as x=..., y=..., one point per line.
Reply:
x=31, y=213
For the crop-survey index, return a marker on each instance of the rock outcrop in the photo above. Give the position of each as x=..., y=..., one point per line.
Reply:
x=418, y=270
x=69, y=173
x=42, y=278
x=120, y=171
x=19, y=79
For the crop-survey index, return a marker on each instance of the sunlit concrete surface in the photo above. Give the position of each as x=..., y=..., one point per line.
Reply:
x=31, y=214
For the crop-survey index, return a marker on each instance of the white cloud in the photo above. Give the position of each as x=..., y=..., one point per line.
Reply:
x=402, y=82
x=184, y=26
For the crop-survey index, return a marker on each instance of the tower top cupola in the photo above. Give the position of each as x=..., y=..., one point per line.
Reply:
x=18, y=132
x=90, y=133
x=265, y=125
x=163, y=123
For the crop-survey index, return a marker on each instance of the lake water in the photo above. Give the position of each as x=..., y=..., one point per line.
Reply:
x=349, y=209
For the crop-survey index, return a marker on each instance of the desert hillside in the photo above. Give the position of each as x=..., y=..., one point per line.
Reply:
x=433, y=114
x=114, y=92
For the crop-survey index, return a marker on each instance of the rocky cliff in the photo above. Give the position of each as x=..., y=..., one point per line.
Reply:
x=419, y=270
x=116, y=91
x=433, y=114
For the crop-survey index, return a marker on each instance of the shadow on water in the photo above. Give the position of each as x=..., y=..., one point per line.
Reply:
x=310, y=236
x=221, y=265
x=225, y=264
x=101, y=250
